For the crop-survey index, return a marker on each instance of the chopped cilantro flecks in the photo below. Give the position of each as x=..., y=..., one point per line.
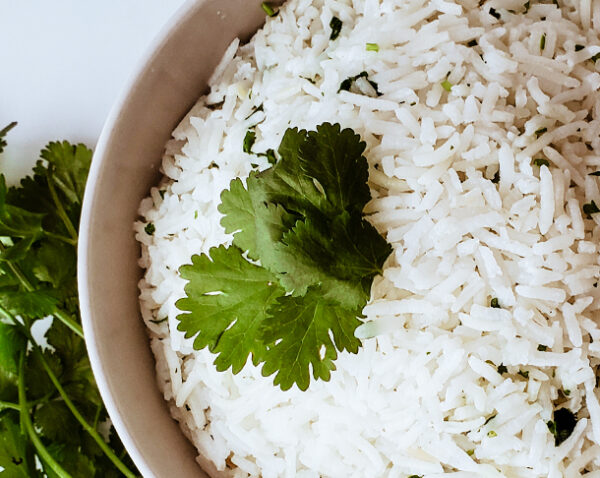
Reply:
x=567, y=392
x=527, y=5
x=415, y=476
x=543, y=42
x=502, y=369
x=523, y=373
x=249, y=140
x=595, y=58
x=446, y=85
x=496, y=177
x=590, y=208
x=159, y=321
x=336, y=27
x=541, y=131
x=268, y=9
x=494, y=13
x=492, y=434
x=542, y=348
x=472, y=43
x=196, y=214
x=595, y=173
x=489, y=420
x=256, y=109
x=539, y=162
x=347, y=84
x=372, y=47
x=579, y=47
x=563, y=425
x=470, y=452
x=270, y=155
x=494, y=303
x=150, y=229
x=302, y=220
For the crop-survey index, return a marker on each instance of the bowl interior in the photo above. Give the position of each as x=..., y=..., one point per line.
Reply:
x=125, y=166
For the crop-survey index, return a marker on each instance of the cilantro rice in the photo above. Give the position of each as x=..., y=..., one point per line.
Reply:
x=482, y=125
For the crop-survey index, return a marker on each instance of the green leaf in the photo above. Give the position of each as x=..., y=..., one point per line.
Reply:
x=69, y=165
x=18, y=251
x=36, y=304
x=321, y=173
x=12, y=343
x=255, y=223
x=3, y=132
x=287, y=184
x=56, y=263
x=73, y=460
x=13, y=449
x=56, y=422
x=343, y=256
x=300, y=331
x=227, y=300
x=38, y=383
x=17, y=222
x=333, y=157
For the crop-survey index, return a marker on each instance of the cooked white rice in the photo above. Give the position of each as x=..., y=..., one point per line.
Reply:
x=419, y=396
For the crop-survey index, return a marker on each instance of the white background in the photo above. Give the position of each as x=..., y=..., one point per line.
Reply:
x=62, y=65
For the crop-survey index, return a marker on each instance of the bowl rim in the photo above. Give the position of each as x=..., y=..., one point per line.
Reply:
x=142, y=66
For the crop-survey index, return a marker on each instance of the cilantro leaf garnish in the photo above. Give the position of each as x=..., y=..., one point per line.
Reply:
x=343, y=258
x=299, y=330
x=314, y=257
x=234, y=296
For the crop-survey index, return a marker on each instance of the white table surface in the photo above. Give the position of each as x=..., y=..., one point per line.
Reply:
x=62, y=65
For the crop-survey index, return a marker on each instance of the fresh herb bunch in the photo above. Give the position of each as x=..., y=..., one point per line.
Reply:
x=302, y=221
x=52, y=420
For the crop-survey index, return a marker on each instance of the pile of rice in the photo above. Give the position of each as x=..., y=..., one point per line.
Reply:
x=470, y=218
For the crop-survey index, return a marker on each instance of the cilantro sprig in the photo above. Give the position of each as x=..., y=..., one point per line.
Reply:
x=289, y=292
x=51, y=413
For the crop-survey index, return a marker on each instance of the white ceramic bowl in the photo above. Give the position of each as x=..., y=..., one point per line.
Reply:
x=126, y=163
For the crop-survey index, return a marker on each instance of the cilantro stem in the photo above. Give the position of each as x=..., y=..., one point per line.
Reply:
x=69, y=322
x=60, y=209
x=86, y=426
x=9, y=405
x=26, y=422
x=61, y=238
